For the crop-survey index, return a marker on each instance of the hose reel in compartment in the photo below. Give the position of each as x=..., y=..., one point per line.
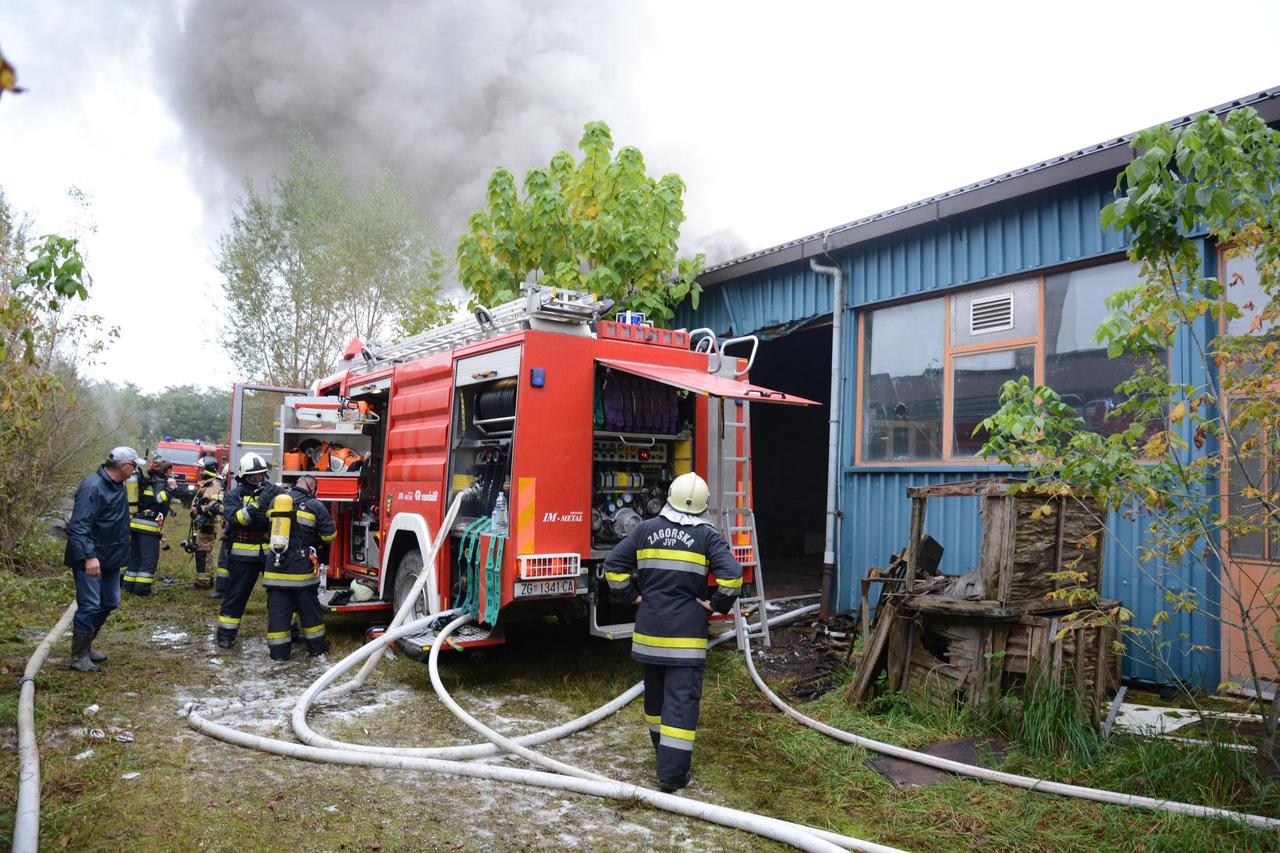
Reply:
x=480, y=463
x=495, y=408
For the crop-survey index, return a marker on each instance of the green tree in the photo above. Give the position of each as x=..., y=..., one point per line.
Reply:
x=44, y=427
x=185, y=411
x=600, y=224
x=319, y=259
x=1210, y=176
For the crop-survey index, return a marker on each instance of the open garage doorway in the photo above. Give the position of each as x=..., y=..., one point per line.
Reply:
x=789, y=458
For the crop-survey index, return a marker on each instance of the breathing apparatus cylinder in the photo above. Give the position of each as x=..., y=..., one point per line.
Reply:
x=131, y=492
x=281, y=514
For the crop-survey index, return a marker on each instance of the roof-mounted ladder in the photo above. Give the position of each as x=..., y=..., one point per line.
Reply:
x=549, y=304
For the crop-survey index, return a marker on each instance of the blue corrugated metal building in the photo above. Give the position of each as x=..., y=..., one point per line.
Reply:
x=1035, y=229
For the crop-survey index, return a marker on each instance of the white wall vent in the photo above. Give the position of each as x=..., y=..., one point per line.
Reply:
x=991, y=314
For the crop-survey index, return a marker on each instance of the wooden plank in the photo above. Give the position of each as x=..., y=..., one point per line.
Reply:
x=995, y=557
x=981, y=609
x=1057, y=537
x=873, y=654
x=901, y=638
x=994, y=675
x=966, y=488
x=913, y=542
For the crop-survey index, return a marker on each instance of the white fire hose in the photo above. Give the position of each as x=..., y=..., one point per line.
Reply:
x=444, y=759
x=26, y=819
x=972, y=770
x=788, y=833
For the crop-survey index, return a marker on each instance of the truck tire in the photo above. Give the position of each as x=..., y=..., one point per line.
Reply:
x=407, y=572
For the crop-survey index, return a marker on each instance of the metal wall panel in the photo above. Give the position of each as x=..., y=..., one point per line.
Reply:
x=1046, y=229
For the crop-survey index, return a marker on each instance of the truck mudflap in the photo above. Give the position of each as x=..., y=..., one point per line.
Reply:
x=418, y=646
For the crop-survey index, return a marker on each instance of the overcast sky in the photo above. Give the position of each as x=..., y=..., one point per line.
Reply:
x=783, y=119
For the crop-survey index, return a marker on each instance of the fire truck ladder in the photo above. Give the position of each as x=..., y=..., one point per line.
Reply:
x=539, y=303
x=737, y=517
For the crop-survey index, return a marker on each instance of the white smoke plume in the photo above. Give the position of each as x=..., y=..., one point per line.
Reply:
x=718, y=246
x=440, y=92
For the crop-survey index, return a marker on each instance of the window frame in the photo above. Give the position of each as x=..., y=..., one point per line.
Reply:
x=949, y=458
x=1270, y=545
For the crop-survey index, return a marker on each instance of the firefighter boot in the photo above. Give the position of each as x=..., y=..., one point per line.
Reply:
x=80, y=641
x=202, y=580
x=95, y=655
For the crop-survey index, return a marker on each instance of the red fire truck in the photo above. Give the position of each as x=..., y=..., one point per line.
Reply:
x=185, y=454
x=575, y=423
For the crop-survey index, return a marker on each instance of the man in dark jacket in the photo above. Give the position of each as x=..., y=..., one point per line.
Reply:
x=146, y=529
x=292, y=577
x=248, y=530
x=97, y=551
x=663, y=567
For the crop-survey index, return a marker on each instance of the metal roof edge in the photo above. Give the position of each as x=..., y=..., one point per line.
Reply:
x=1111, y=155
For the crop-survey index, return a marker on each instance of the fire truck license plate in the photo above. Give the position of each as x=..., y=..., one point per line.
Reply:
x=537, y=589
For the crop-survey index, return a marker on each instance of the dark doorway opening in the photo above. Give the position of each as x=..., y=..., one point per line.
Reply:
x=789, y=459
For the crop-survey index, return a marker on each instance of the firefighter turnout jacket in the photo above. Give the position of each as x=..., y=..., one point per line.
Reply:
x=206, y=507
x=666, y=561
x=153, y=506
x=248, y=528
x=311, y=526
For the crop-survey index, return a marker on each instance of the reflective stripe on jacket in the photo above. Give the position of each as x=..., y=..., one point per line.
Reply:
x=248, y=528
x=153, y=507
x=667, y=563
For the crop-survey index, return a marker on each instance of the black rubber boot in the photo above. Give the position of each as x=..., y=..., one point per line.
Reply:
x=670, y=786
x=80, y=641
x=203, y=580
x=214, y=594
x=94, y=655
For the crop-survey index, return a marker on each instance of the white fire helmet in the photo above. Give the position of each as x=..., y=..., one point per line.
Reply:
x=362, y=591
x=251, y=463
x=689, y=493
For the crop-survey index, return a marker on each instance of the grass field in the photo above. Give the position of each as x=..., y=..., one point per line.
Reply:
x=194, y=793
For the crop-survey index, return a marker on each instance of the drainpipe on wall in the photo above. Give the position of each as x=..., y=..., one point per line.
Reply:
x=833, y=435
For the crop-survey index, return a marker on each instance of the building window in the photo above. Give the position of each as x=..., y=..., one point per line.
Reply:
x=976, y=383
x=932, y=369
x=1248, y=475
x=1074, y=365
x=902, y=384
x=1250, y=458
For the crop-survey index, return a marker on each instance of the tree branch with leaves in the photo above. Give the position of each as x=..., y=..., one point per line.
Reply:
x=601, y=225
x=1199, y=463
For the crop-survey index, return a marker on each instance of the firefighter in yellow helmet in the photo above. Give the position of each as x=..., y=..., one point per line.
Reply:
x=248, y=531
x=664, y=566
x=146, y=528
x=206, y=515
x=301, y=530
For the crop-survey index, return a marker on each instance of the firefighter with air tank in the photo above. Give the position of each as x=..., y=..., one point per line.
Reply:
x=206, y=515
x=662, y=566
x=248, y=531
x=150, y=504
x=299, y=523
